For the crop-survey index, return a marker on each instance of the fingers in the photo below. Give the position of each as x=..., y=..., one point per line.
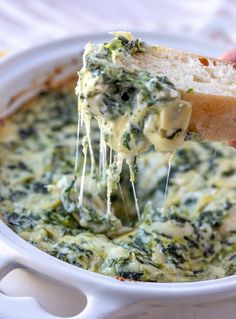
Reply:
x=233, y=143
x=230, y=56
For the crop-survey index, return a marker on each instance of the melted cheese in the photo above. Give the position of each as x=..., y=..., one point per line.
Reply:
x=134, y=109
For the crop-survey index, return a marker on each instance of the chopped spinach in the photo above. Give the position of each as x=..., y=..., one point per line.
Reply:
x=125, y=140
x=131, y=275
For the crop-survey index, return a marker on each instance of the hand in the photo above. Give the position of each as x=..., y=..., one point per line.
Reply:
x=230, y=56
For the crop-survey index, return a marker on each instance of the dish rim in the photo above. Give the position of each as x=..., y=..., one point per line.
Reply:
x=13, y=242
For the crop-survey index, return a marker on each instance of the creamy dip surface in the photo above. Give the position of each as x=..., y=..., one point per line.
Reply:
x=187, y=234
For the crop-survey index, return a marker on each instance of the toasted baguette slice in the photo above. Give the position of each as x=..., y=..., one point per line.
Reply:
x=209, y=84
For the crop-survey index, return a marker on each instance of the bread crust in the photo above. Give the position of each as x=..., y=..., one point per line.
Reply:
x=169, y=53
x=213, y=116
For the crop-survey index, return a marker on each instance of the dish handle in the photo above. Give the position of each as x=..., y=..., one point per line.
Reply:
x=28, y=308
x=98, y=306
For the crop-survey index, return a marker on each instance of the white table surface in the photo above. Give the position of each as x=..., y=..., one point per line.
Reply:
x=26, y=22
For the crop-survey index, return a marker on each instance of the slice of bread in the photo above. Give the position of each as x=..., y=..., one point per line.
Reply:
x=209, y=84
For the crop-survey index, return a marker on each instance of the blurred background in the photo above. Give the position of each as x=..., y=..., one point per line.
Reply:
x=26, y=22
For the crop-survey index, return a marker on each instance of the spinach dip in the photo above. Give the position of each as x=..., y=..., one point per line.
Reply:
x=93, y=191
x=192, y=238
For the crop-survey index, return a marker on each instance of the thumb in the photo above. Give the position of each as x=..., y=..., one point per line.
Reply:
x=230, y=56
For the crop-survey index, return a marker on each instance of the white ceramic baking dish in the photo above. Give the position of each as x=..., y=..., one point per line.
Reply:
x=21, y=76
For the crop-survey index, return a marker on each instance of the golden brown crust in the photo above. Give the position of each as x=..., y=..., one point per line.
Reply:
x=170, y=53
x=213, y=116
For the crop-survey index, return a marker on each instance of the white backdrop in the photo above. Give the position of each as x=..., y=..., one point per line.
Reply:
x=25, y=22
